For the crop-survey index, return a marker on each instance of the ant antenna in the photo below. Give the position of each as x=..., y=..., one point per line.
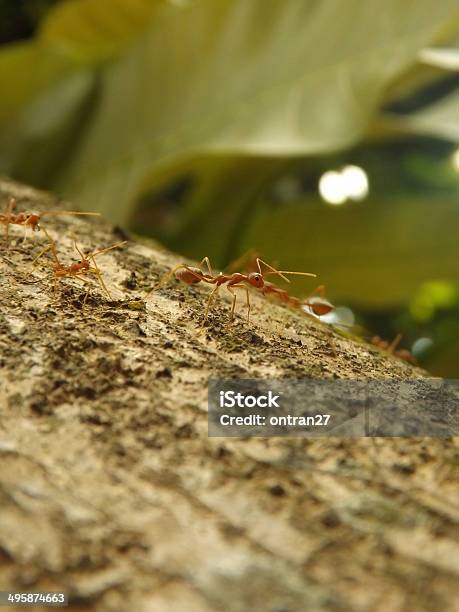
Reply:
x=297, y=273
x=114, y=246
x=80, y=253
x=55, y=213
x=281, y=272
x=273, y=270
x=395, y=342
x=50, y=247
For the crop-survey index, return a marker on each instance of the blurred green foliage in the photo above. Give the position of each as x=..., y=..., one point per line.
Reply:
x=209, y=124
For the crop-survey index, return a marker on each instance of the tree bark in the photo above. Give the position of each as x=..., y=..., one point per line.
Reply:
x=111, y=490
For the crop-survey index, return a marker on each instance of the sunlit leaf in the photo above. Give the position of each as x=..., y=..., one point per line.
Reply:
x=370, y=253
x=259, y=77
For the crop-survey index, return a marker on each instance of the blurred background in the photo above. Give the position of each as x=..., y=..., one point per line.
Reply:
x=323, y=134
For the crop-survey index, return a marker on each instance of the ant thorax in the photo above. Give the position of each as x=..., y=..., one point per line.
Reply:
x=33, y=221
x=80, y=265
x=256, y=279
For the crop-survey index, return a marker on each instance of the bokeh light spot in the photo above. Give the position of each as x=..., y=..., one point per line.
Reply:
x=356, y=182
x=455, y=160
x=332, y=188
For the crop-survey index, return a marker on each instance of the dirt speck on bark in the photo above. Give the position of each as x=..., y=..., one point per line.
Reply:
x=111, y=490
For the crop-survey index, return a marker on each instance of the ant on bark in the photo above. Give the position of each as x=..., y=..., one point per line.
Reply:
x=30, y=219
x=391, y=347
x=192, y=275
x=81, y=269
x=315, y=304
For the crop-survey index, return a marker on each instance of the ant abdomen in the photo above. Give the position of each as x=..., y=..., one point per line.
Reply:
x=319, y=306
x=189, y=275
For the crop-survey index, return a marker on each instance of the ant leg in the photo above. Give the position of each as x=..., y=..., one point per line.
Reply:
x=85, y=281
x=234, y=301
x=206, y=260
x=100, y=279
x=395, y=342
x=209, y=300
x=40, y=254
x=248, y=303
x=103, y=285
x=52, y=246
x=85, y=298
x=99, y=274
x=165, y=278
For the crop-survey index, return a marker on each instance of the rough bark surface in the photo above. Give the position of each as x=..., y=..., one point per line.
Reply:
x=111, y=490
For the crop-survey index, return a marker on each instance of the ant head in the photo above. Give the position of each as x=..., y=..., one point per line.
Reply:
x=256, y=279
x=33, y=220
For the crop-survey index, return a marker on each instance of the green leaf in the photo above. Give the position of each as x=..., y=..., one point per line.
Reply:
x=75, y=34
x=46, y=131
x=91, y=31
x=256, y=78
x=26, y=70
x=42, y=107
x=372, y=253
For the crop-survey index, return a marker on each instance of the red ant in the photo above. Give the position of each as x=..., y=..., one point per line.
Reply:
x=391, y=347
x=80, y=269
x=192, y=275
x=30, y=219
x=315, y=304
